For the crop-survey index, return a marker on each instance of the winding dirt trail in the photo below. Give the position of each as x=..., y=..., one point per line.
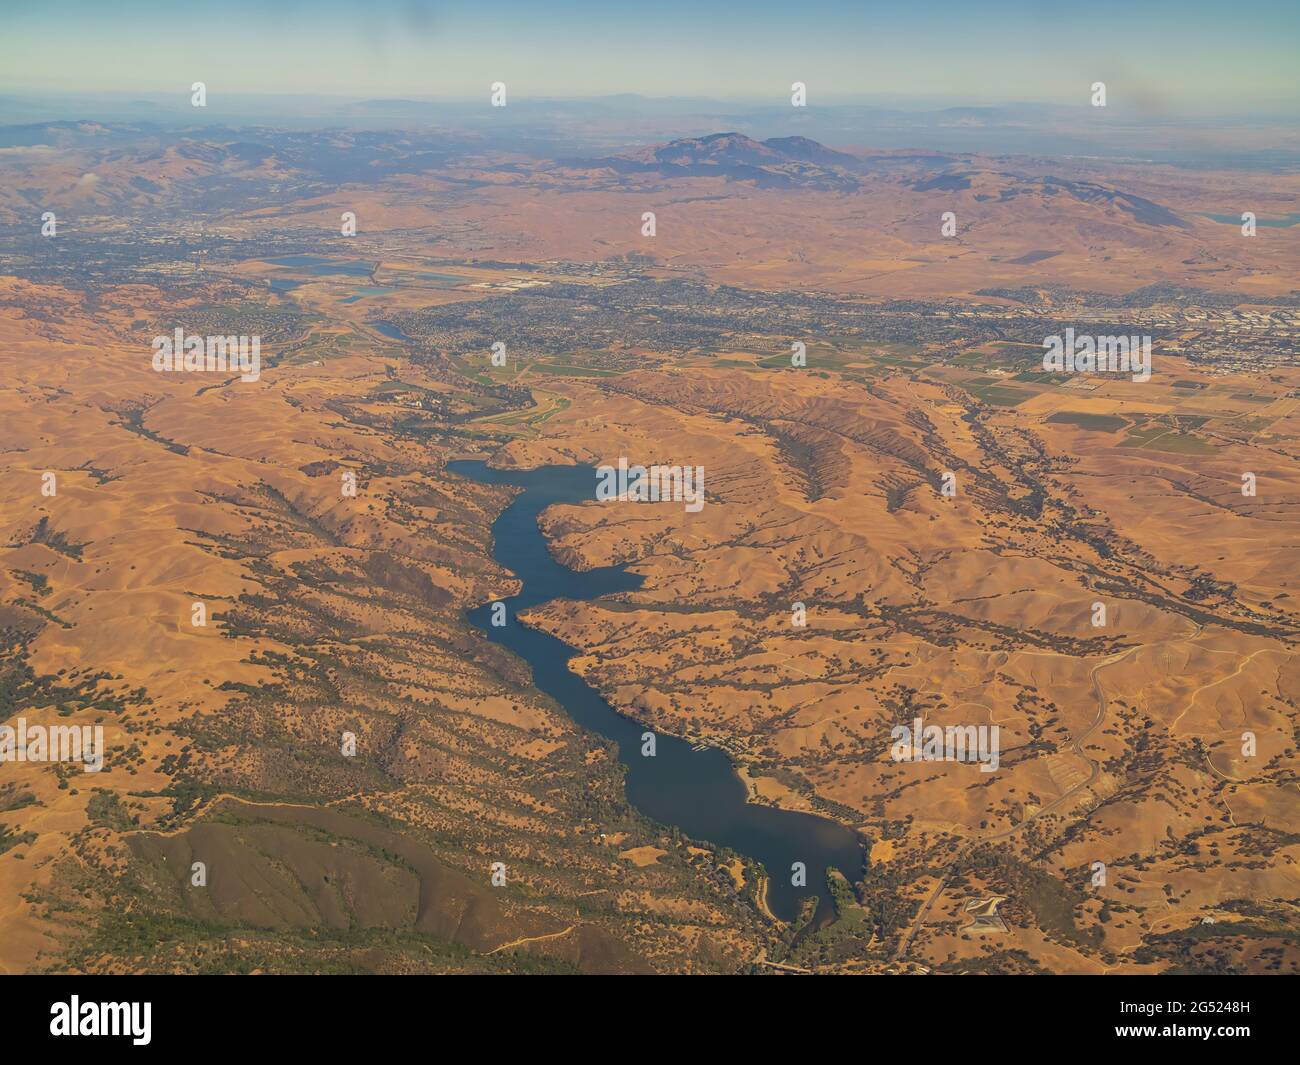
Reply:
x=530, y=939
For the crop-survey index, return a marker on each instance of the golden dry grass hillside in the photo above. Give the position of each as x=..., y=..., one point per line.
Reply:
x=258, y=589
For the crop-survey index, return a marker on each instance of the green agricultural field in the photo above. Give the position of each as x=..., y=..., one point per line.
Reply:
x=1144, y=435
x=820, y=356
x=1162, y=438
x=560, y=369
x=998, y=395
x=1101, y=423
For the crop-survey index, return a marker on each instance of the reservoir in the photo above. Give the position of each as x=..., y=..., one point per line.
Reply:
x=696, y=791
x=321, y=266
x=389, y=330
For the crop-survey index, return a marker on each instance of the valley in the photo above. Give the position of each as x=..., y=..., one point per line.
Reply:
x=909, y=519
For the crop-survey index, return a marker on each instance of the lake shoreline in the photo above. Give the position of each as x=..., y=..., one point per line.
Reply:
x=700, y=791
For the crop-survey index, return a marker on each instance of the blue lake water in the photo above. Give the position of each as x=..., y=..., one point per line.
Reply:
x=361, y=292
x=1284, y=222
x=320, y=265
x=697, y=791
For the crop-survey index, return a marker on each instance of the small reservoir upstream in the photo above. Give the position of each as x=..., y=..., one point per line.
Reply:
x=697, y=791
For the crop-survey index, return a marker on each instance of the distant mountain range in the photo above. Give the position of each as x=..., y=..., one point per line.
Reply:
x=798, y=162
x=781, y=162
x=147, y=165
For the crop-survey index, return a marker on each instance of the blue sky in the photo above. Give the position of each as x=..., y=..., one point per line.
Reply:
x=1167, y=57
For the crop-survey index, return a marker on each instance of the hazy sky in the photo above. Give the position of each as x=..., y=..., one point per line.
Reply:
x=1185, y=57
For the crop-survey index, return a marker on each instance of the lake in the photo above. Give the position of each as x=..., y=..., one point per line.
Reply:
x=391, y=331
x=696, y=791
x=320, y=266
x=1283, y=222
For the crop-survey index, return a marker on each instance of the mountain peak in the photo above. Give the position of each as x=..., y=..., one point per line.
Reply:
x=780, y=162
